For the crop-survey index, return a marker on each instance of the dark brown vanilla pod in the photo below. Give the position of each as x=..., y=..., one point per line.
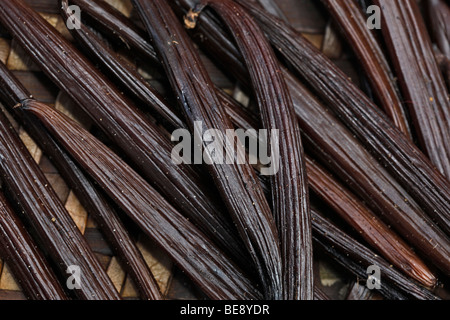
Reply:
x=420, y=79
x=439, y=18
x=208, y=267
x=359, y=292
x=12, y=93
x=405, y=161
x=356, y=258
x=107, y=19
x=352, y=210
x=237, y=183
x=290, y=188
x=102, y=212
x=144, y=143
x=444, y=64
x=377, y=234
x=320, y=295
x=358, y=271
x=331, y=142
x=121, y=70
x=50, y=221
x=353, y=24
x=27, y=263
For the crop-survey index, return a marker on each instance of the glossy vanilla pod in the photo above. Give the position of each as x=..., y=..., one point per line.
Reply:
x=237, y=183
x=12, y=93
x=147, y=146
x=376, y=233
x=328, y=140
x=356, y=258
x=57, y=232
x=25, y=259
x=353, y=24
x=411, y=52
x=403, y=159
x=289, y=182
x=190, y=249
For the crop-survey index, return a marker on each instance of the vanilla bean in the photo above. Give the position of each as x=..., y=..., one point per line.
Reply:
x=239, y=118
x=356, y=258
x=121, y=70
x=14, y=92
x=439, y=15
x=439, y=18
x=359, y=292
x=56, y=230
x=353, y=24
x=237, y=183
x=292, y=216
x=209, y=268
x=102, y=212
x=420, y=79
x=406, y=162
x=372, y=229
x=354, y=212
x=107, y=19
x=146, y=144
x=354, y=267
x=27, y=263
x=320, y=295
x=328, y=140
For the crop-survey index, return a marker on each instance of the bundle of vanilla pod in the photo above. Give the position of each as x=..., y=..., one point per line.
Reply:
x=263, y=149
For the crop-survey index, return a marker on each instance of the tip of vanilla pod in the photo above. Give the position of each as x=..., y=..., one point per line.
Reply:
x=190, y=19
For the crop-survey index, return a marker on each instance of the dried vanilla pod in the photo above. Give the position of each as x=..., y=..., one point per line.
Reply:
x=27, y=262
x=146, y=145
x=290, y=182
x=328, y=140
x=237, y=183
x=378, y=72
x=57, y=232
x=353, y=211
x=190, y=249
x=14, y=92
x=404, y=160
x=121, y=70
x=356, y=258
x=422, y=84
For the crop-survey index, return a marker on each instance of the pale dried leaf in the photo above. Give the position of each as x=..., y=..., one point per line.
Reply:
x=18, y=60
x=58, y=184
x=5, y=47
x=61, y=27
x=116, y=273
x=34, y=150
x=77, y=212
x=7, y=280
x=332, y=46
x=315, y=39
x=91, y=223
x=129, y=289
x=124, y=6
x=158, y=262
x=50, y=18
